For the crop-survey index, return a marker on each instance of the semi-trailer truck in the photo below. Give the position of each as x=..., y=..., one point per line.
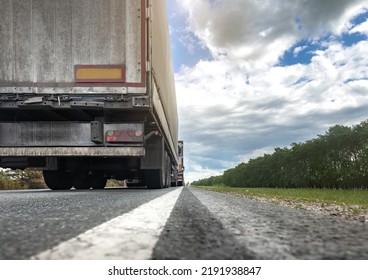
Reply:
x=180, y=178
x=87, y=92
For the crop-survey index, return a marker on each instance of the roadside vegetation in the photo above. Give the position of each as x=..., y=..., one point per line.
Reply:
x=21, y=179
x=336, y=160
x=323, y=196
x=332, y=168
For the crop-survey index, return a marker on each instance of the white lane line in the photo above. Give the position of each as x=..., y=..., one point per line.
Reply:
x=131, y=236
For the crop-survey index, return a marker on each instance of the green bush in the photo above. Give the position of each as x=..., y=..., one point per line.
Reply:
x=16, y=180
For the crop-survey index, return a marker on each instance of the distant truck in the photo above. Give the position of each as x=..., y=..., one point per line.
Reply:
x=87, y=92
x=180, y=178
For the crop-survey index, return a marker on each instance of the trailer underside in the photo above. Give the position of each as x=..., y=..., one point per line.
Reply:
x=84, y=144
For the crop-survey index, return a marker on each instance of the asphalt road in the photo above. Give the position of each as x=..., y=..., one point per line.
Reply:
x=175, y=223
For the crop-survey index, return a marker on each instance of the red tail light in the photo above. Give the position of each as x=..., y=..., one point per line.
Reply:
x=123, y=136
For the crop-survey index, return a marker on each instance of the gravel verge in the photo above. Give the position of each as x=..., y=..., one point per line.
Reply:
x=347, y=212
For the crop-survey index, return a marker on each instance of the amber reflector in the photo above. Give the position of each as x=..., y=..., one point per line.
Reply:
x=99, y=73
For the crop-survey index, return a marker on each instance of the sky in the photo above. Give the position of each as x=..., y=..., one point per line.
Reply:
x=254, y=75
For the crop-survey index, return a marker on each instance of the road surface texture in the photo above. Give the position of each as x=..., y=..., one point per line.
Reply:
x=175, y=223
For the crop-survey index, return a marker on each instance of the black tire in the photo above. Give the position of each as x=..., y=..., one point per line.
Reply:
x=153, y=179
x=58, y=180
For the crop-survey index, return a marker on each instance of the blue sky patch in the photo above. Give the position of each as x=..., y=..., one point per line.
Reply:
x=349, y=40
x=301, y=53
x=360, y=18
x=187, y=50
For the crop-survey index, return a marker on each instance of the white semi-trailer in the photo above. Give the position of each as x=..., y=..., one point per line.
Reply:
x=180, y=177
x=87, y=91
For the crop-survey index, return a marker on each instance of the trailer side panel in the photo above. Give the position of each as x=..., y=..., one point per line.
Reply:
x=44, y=40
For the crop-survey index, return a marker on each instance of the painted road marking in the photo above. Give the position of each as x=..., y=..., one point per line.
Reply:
x=131, y=236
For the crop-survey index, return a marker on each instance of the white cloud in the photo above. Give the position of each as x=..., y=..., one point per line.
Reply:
x=297, y=50
x=198, y=171
x=256, y=153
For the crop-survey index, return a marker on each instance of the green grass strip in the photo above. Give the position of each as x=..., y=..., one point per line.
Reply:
x=339, y=197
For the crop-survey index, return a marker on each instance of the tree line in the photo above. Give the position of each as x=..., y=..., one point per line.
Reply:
x=337, y=159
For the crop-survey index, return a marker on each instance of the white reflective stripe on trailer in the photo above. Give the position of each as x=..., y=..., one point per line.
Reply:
x=73, y=151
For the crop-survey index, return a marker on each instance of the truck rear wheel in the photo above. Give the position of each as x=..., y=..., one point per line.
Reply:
x=58, y=180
